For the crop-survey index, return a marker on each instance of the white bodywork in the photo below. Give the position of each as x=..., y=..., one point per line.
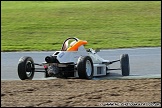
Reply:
x=73, y=56
x=73, y=60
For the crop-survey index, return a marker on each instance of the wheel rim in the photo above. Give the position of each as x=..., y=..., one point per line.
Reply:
x=88, y=68
x=29, y=67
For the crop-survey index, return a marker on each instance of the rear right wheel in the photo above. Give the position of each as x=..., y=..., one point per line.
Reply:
x=85, y=67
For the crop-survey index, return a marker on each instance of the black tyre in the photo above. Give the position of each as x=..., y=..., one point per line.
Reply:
x=26, y=68
x=124, y=62
x=85, y=67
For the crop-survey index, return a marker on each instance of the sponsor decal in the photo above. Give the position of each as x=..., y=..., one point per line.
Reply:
x=61, y=54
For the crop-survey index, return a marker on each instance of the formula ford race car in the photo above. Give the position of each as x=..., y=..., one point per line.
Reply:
x=72, y=61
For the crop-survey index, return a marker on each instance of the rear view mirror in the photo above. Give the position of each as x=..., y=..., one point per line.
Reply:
x=97, y=50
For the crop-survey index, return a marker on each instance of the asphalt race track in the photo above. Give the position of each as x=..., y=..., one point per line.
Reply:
x=144, y=63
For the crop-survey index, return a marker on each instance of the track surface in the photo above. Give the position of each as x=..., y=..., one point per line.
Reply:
x=144, y=62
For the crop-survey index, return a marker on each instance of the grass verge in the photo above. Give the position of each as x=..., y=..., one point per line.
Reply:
x=44, y=25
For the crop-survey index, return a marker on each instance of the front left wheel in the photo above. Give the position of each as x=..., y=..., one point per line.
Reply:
x=85, y=68
x=26, y=68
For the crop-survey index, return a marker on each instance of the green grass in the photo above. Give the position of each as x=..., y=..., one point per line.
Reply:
x=44, y=25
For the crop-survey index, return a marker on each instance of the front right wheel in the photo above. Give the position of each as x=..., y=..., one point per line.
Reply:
x=124, y=63
x=85, y=67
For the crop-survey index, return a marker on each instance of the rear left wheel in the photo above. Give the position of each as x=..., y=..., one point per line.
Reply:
x=26, y=68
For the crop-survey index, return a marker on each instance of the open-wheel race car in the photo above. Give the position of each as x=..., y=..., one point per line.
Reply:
x=73, y=60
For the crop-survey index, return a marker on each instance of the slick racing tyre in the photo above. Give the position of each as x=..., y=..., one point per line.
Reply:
x=85, y=67
x=26, y=68
x=124, y=63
